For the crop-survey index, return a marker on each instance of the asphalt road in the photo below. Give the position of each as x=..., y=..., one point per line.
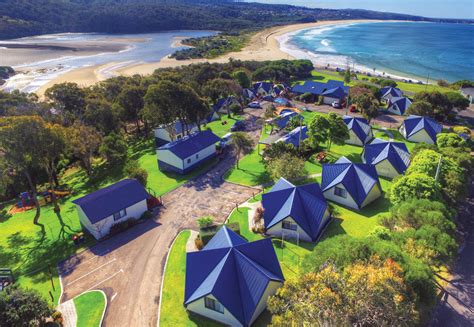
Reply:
x=128, y=267
x=456, y=307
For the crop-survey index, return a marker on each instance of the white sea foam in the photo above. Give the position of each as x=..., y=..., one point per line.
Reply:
x=326, y=60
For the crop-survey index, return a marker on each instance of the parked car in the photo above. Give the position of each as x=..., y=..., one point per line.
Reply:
x=239, y=125
x=226, y=140
x=353, y=108
x=255, y=105
x=336, y=105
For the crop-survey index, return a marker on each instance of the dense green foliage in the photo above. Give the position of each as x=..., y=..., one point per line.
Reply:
x=20, y=307
x=29, y=17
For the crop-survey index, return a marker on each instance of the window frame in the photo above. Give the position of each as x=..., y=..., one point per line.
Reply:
x=213, y=304
x=119, y=214
x=290, y=225
x=340, y=192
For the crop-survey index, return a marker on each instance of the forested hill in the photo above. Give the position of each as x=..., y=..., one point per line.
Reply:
x=32, y=17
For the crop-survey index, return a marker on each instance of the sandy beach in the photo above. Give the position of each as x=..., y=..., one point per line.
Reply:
x=262, y=46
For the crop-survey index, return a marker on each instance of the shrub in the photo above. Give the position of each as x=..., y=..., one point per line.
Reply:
x=205, y=222
x=133, y=170
x=235, y=108
x=208, y=233
x=114, y=149
x=257, y=218
x=146, y=215
x=450, y=140
x=122, y=226
x=414, y=186
x=461, y=130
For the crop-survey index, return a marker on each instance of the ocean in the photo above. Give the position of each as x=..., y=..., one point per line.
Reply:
x=414, y=50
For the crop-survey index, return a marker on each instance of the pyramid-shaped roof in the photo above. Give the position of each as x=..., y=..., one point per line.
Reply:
x=358, y=179
x=360, y=126
x=234, y=271
x=295, y=135
x=402, y=103
x=390, y=91
x=395, y=152
x=414, y=124
x=305, y=204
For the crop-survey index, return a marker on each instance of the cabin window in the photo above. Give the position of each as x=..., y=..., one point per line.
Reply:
x=197, y=156
x=339, y=191
x=119, y=215
x=189, y=160
x=289, y=225
x=213, y=305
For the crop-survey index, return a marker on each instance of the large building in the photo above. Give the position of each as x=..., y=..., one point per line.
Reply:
x=187, y=153
x=353, y=185
x=230, y=280
x=100, y=210
x=330, y=91
x=389, y=158
x=295, y=211
x=360, y=132
x=420, y=129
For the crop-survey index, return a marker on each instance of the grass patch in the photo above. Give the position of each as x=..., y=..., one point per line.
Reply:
x=173, y=312
x=251, y=171
x=89, y=307
x=324, y=76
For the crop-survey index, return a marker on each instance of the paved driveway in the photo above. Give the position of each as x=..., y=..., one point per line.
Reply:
x=456, y=306
x=128, y=267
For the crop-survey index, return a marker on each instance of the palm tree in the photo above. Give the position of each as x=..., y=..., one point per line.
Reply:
x=242, y=143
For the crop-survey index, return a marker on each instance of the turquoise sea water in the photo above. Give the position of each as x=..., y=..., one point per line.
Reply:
x=440, y=51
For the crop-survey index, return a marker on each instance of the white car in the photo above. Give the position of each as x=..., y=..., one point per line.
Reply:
x=336, y=105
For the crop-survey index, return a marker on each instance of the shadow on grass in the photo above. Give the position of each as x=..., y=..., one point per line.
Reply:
x=333, y=229
x=202, y=321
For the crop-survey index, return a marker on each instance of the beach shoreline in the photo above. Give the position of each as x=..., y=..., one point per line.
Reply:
x=263, y=46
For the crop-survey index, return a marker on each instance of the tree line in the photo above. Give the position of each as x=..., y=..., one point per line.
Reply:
x=32, y=17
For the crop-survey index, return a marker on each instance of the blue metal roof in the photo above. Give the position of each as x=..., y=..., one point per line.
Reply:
x=236, y=273
x=224, y=238
x=266, y=86
x=402, y=103
x=395, y=152
x=295, y=135
x=358, y=179
x=283, y=119
x=318, y=88
x=305, y=204
x=111, y=199
x=191, y=144
x=414, y=124
x=360, y=127
x=338, y=93
x=393, y=91
x=248, y=93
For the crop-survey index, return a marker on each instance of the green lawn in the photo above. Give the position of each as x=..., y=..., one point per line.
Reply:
x=34, y=260
x=172, y=311
x=250, y=172
x=90, y=307
x=324, y=76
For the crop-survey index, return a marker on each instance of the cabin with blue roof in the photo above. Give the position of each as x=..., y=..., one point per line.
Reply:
x=291, y=211
x=222, y=105
x=353, y=185
x=389, y=158
x=389, y=92
x=360, y=132
x=187, y=153
x=172, y=132
x=230, y=279
x=398, y=105
x=284, y=118
x=299, y=134
x=420, y=129
x=263, y=88
x=100, y=210
x=248, y=94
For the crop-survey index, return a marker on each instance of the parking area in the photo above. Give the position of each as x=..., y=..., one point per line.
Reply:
x=129, y=266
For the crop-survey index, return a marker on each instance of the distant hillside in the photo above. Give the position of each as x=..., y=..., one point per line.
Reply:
x=31, y=17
